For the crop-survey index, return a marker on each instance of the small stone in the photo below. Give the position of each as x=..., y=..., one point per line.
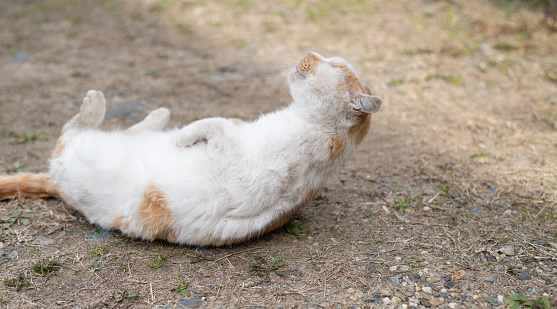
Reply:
x=452, y=305
x=508, y=212
x=427, y=289
x=395, y=301
x=490, y=279
x=448, y=284
x=500, y=298
x=353, y=297
x=375, y=295
x=507, y=250
x=425, y=303
x=20, y=57
x=495, y=303
x=403, y=268
x=523, y=276
x=12, y=255
x=386, y=301
x=385, y=293
x=499, y=268
x=548, y=281
x=434, y=302
x=394, y=280
x=208, y=282
x=426, y=208
x=267, y=283
x=42, y=240
x=422, y=279
x=463, y=297
x=325, y=304
x=189, y=303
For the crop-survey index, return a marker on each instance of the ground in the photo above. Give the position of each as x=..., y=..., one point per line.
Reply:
x=449, y=202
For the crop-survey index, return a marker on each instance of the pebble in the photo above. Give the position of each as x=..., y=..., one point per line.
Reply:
x=435, y=302
x=42, y=240
x=499, y=268
x=444, y=293
x=12, y=255
x=395, y=301
x=422, y=279
x=267, y=283
x=495, y=303
x=426, y=208
x=403, y=268
x=211, y=283
x=375, y=295
x=448, y=284
x=189, y=303
x=463, y=297
x=385, y=293
x=386, y=301
x=427, y=290
x=523, y=276
x=425, y=303
x=507, y=250
x=490, y=279
x=394, y=280
x=20, y=57
x=452, y=305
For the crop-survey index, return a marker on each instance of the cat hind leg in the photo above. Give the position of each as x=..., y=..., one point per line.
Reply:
x=91, y=113
x=155, y=121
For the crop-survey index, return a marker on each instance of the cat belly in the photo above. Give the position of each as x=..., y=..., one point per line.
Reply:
x=106, y=175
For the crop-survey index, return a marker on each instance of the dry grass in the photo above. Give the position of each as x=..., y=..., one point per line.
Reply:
x=460, y=163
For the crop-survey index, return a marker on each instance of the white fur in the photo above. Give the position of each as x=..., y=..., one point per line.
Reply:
x=220, y=178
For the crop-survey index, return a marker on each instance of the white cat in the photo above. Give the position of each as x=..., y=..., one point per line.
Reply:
x=216, y=181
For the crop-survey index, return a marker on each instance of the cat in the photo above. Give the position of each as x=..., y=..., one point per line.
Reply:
x=215, y=181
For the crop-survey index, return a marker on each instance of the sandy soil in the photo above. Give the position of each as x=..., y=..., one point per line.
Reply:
x=449, y=202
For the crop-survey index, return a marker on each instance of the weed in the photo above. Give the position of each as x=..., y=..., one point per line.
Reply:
x=445, y=191
x=518, y=301
x=121, y=295
x=95, y=264
x=395, y=82
x=17, y=282
x=323, y=197
x=182, y=288
x=263, y=271
x=158, y=261
x=43, y=269
x=401, y=206
x=294, y=229
x=98, y=250
x=3, y=299
x=29, y=138
x=17, y=216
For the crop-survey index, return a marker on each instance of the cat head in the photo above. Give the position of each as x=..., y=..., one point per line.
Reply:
x=317, y=80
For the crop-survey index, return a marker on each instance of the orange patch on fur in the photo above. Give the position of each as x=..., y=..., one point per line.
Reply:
x=27, y=185
x=156, y=216
x=337, y=146
x=357, y=132
x=351, y=82
x=309, y=64
x=58, y=148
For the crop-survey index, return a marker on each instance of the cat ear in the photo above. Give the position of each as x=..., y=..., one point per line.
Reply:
x=366, y=90
x=365, y=103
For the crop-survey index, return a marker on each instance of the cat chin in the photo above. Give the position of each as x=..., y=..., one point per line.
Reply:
x=295, y=74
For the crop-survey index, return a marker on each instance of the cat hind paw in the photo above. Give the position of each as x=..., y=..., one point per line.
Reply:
x=92, y=110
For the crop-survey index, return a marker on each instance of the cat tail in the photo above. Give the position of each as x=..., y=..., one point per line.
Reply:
x=27, y=185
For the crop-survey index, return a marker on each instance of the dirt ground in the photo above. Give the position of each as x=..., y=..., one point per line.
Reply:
x=449, y=202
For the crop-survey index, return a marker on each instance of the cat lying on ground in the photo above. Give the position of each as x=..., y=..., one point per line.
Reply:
x=216, y=181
